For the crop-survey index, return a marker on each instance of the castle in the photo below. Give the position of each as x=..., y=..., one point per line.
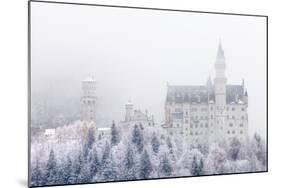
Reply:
x=205, y=113
x=195, y=114
x=134, y=116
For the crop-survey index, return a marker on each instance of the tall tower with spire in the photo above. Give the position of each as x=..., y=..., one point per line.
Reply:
x=220, y=78
x=88, y=100
x=220, y=91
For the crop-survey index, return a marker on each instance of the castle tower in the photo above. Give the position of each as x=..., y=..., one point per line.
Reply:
x=220, y=78
x=129, y=111
x=88, y=99
x=220, y=91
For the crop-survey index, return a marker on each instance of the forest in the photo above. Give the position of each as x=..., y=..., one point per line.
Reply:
x=138, y=152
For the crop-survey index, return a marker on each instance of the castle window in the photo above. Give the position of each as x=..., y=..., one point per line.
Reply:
x=186, y=121
x=186, y=113
x=201, y=125
x=191, y=117
x=191, y=133
x=241, y=132
x=211, y=116
x=178, y=125
x=227, y=117
x=230, y=125
x=171, y=133
x=206, y=117
x=196, y=133
x=228, y=132
x=227, y=108
x=211, y=108
x=201, y=117
x=177, y=110
x=233, y=117
x=233, y=132
x=193, y=109
x=241, y=124
x=206, y=125
x=191, y=125
x=242, y=117
x=233, y=108
x=242, y=109
x=196, y=126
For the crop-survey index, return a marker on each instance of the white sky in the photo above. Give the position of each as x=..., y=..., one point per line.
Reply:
x=132, y=53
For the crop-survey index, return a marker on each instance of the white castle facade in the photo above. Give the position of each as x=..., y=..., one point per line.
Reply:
x=205, y=113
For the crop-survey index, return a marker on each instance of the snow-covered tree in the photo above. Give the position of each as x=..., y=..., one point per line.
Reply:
x=129, y=164
x=85, y=173
x=94, y=162
x=51, y=175
x=67, y=168
x=106, y=153
x=259, y=149
x=171, y=148
x=109, y=171
x=137, y=138
x=36, y=175
x=114, y=135
x=90, y=139
x=234, y=149
x=145, y=166
x=76, y=169
x=216, y=162
x=155, y=143
x=197, y=166
x=165, y=166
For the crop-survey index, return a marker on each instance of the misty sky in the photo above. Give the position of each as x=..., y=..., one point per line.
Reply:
x=133, y=53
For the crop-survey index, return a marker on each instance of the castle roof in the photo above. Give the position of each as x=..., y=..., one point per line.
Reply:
x=202, y=94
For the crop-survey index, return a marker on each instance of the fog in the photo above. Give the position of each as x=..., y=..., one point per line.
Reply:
x=133, y=53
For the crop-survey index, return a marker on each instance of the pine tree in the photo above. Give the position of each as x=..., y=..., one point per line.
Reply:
x=145, y=166
x=165, y=166
x=109, y=172
x=94, y=163
x=85, y=174
x=197, y=167
x=234, y=150
x=67, y=170
x=129, y=163
x=114, y=135
x=171, y=149
x=259, y=148
x=155, y=143
x=137, y=138
x=51, y=177
x=36, y=175
x=90, y=139
x=76, y=169
x=106, y=153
